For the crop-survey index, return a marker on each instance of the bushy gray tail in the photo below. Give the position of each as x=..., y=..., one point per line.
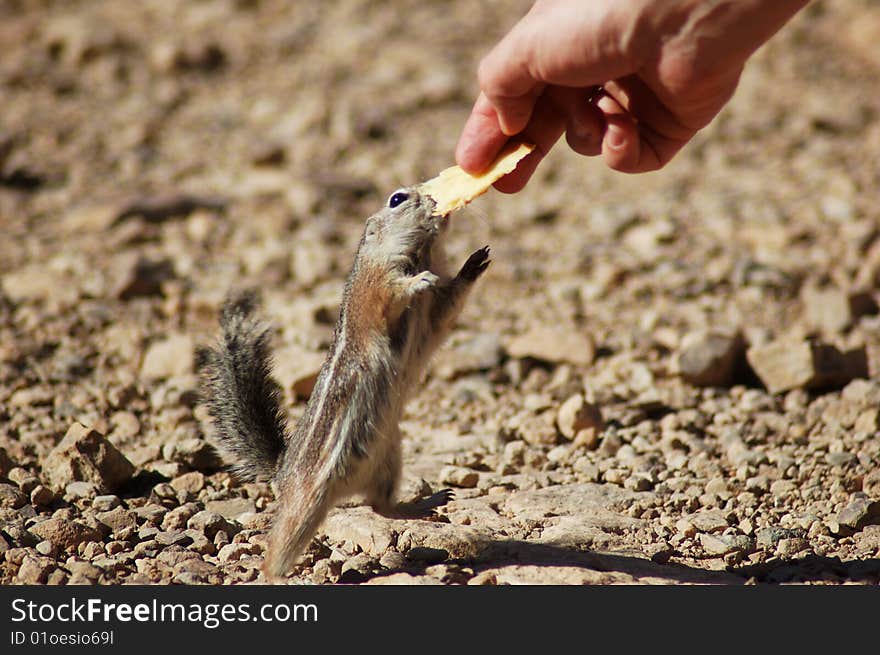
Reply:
x=237, y=388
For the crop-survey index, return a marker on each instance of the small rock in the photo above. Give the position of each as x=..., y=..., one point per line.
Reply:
x=192, y=482
x=840, y=459
x=164, y=494
x=710, y=358
x=169, y=357
x=861, y=511
x=35, y=570
x=832, y=310
x=871, y=484
x=11, y=496
x=105, y=502
x=136, y=276
x=362, y=527
x=232, y=508
x=46, y=548
x=357, y=568
x=326, y=571
x=173, y=538
x=791, y=547
x=553, y=345
x=80, y=491
x=770, y=537
x=786, y=364
x=708, y=521
x=234, y=552
x=722, y=544
x=576, y=414
x=537, y=430
x=196, y=453
x=480, y=352
x=868, y=421
x=459, y=477
x=151, y=513
x=37, y=282
x=783, y=487
x=66, y=535
x=178, y=518
x=42, y=496
x=25, y=481
x=638, y=482
x=393, y=560
x=210, y=523
x=125, y=425
x=118, y=519
x=84, y=455
x=297, y=369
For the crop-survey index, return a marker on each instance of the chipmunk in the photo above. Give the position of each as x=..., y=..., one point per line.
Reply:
x=398, y=305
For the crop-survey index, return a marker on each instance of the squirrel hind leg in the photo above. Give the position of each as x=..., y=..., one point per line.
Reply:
x=381, y=496
x=419, y=509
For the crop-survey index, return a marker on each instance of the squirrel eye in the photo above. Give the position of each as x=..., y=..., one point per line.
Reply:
x=397, y=198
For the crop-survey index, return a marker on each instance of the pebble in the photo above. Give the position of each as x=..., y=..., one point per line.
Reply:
x=35, y=570
x=788, y=364
x=11, y=496
x=871, y=484
x=66, y=535
x=192, y=482
x=457, y=476
x=231, y=508
x=831, y=310
x=553, y=345
x=791, y=547
x=480, y=352
x=710, y=358
x=210, y=523
x=118, y=519
x=297, y=369
x=708, y=521
x=84, y=455
x=168, y=357
x=42, y=496
x=576, y=414
x=860, y=511
x=136, y=276
x=770, y=537
x=234, y=552
x=722, y=544
x=105, y=502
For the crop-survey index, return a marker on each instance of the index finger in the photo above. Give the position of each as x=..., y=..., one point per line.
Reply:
x=481, y=138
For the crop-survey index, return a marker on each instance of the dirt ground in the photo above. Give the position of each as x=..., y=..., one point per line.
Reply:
x=662, y=378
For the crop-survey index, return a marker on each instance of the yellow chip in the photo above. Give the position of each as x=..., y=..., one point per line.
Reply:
x=454, y=188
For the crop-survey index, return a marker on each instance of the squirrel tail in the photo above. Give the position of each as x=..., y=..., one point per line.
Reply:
x=296, y=522
x=241, y=397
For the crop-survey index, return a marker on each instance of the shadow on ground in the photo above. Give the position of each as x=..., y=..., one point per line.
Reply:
x=812, y=568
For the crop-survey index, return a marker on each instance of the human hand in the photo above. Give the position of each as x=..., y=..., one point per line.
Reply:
x=631, y=80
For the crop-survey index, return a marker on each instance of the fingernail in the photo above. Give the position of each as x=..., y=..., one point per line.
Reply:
x=615, y=137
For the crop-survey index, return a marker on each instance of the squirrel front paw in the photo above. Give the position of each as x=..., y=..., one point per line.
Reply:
x=475, y=265
x=422, y=282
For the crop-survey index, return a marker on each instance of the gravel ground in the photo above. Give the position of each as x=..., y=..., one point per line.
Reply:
x=666, y=378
